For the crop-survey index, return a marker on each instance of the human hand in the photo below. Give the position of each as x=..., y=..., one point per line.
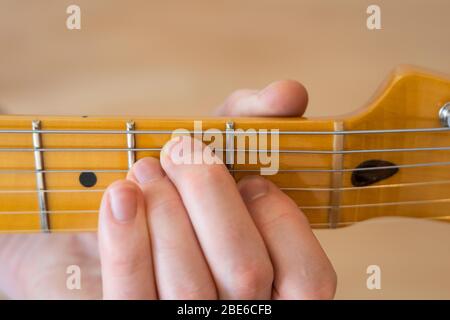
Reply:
x=188, y=231
x=34, y=265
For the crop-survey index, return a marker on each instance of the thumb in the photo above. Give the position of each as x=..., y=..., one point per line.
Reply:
x=278, y=99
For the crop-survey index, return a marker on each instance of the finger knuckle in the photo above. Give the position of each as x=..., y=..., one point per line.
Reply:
x=236, y=95
x=322, y=291
x=170, y=204
x=267, y=222
x=193, y=292
x=323, y=288
x=250, y=279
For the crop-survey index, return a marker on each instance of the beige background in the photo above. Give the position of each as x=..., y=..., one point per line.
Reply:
x=183, y=57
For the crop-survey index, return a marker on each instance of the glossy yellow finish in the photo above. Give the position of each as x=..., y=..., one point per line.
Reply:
x=410, y=99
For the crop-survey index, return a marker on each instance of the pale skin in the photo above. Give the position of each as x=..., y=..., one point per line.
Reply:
x=183, y=231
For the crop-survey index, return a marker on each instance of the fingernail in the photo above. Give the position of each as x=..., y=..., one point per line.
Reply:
x=123, y=203
x=147, y=170
x=253, y=187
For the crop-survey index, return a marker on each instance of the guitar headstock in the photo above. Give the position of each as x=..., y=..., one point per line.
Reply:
x=407, y=133
x=410, y=98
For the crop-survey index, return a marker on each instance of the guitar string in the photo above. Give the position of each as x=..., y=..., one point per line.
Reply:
x=240, y=150
x=311, y=189
x=295, y=170
x=443, y=148
x=378, y=204
x=412, y=165
x=315, y=224
x=237, y=150
x=364, y=205
x=323, y=225
x=326, y=224
x=234, y=132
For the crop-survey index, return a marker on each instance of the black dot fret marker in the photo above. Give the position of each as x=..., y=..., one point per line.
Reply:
x=362, y=178
x=88, y=179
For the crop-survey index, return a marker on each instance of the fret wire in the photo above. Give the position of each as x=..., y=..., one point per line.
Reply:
x=131, y=144
x=40, y=178
x=412, y=165
x=344, y=132
x=445, y=148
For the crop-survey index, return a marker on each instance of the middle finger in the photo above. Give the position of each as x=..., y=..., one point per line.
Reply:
x=230, y=241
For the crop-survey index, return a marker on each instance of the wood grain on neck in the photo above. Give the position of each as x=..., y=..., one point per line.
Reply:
x=409, y=100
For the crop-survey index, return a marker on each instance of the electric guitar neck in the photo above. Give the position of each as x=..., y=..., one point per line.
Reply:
x=391, y=158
